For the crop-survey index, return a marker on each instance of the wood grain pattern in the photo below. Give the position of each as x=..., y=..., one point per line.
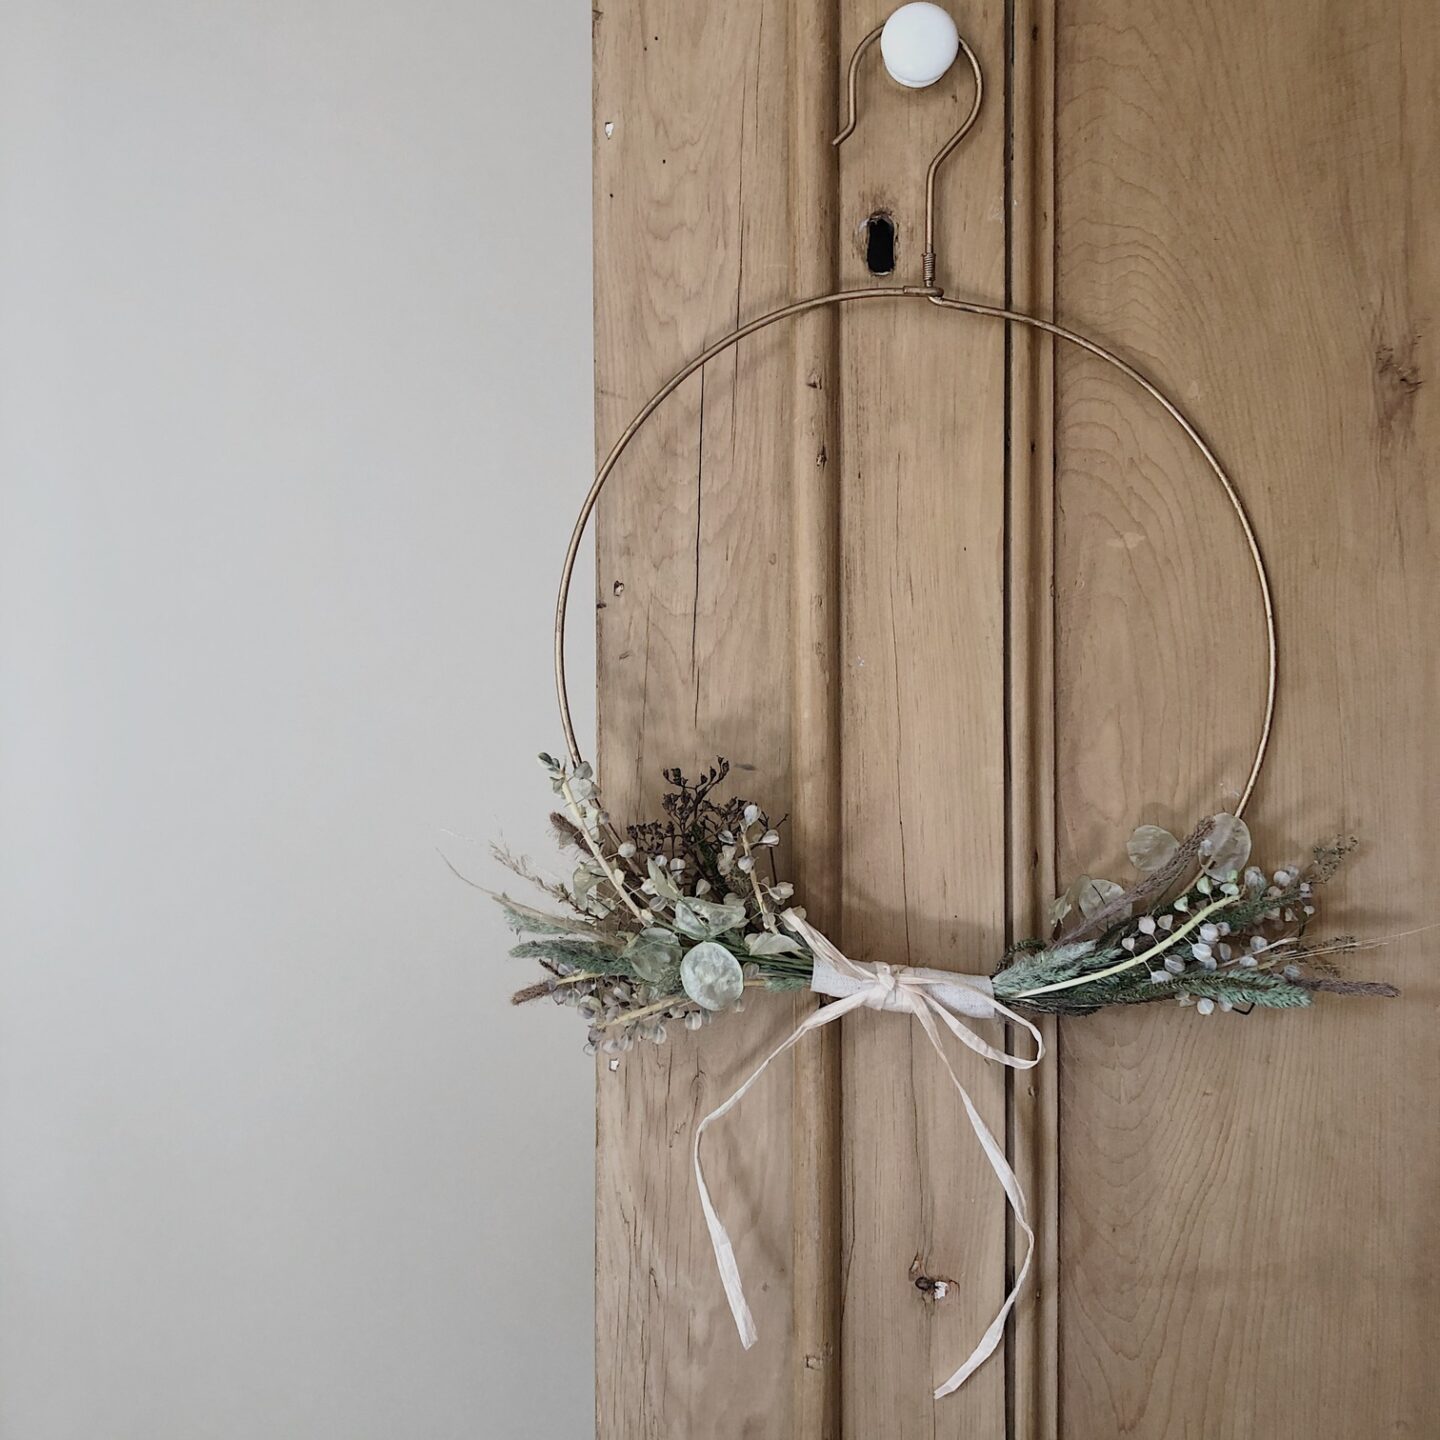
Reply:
x=916, y=461
x=1033, y=1361
x=1247, y=206
x=691, y=234
x=816, y=844
x=923, y=727
x=1236, y=196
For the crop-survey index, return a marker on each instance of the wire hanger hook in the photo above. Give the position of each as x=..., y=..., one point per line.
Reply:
x=948, y=32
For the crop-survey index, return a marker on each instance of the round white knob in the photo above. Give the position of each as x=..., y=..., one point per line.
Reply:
x=919, y=44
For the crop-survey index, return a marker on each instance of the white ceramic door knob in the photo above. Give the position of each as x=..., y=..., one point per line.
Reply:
x=919, y=44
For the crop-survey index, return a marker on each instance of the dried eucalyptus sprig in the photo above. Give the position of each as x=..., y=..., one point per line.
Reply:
x=1228, y=938
x=673, y=919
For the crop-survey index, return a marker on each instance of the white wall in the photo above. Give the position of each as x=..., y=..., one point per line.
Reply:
x=288, y=446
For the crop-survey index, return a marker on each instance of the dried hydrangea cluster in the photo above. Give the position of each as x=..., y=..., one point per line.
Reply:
x=671, y=921
x=1201, y=926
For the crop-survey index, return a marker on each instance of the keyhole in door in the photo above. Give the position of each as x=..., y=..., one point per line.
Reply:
x=880, y=244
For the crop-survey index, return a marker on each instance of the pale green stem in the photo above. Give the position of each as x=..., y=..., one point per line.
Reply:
x=1195, y=920
x=754, y=883
x=615, y=880
x=631, y=1015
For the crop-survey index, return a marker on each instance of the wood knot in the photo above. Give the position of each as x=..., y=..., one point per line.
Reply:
x=933, y=1287
x=1400, y=370
x=1397, y=381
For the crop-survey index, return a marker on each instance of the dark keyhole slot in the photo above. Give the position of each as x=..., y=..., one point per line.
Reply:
x=880, y=245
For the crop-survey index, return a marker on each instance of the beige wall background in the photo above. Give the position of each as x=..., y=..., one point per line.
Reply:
x=288, y=445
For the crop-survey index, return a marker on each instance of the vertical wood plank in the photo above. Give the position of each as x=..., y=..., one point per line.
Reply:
x=1248, y=208
x=691, y=235
x=815, y=824
x=1033, y=1370
x=923, y=726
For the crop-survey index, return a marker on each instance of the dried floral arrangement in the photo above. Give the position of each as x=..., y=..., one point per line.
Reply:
x=670, y=922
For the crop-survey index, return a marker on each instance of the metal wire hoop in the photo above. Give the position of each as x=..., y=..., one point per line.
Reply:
x=935, y=297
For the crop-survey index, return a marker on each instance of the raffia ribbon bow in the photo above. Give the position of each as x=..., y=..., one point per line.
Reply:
x=928, y=996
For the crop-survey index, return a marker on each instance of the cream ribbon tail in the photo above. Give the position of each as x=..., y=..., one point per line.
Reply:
x=927, y=995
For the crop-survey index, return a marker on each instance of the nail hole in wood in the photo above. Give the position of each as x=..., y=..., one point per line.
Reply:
x=880, y=244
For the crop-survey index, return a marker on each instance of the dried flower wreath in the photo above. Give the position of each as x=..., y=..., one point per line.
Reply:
x=672, y=923
x=669, y=922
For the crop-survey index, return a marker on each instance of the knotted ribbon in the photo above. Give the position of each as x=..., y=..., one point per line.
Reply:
x=927, y=995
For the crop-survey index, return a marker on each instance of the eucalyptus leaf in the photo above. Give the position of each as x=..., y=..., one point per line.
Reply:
x=1151, y=848
x=659, y=881
x=1060, y=907
x=705, y=919
x=653, y=954
x=711, y=976
x=1093, y=895
x=1224, y=851
x=765, y=943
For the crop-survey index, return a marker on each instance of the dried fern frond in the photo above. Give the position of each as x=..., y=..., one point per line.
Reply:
x=1333, y=985
x=521, y=866
x=526, y=920
x=560, y=952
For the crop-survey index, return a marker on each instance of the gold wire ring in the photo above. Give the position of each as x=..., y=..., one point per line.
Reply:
x=966, y=307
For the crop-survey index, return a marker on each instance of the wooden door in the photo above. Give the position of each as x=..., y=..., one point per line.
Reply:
x=968, y=612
